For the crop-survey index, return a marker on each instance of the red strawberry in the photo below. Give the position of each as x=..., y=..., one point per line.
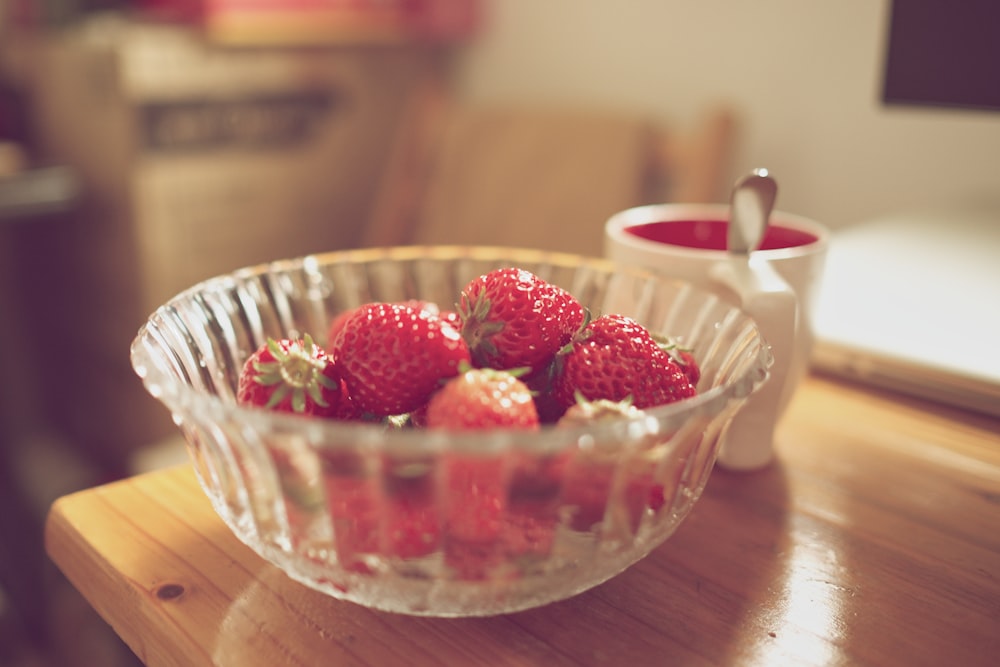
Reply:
x=689, y=366
x=482, y=398
x=291, y=376
x=587, y=485
x=393, y=356
x=511, y=318
x=480, y=527
x=532, y=511
x=337, y=323
x=347, y=410
x=474, y=514
x=353, y=499
x=588, y=480
x=615, y=358
x=451, y=317
x=683, y=356
x=641, y=491
x=412, y=522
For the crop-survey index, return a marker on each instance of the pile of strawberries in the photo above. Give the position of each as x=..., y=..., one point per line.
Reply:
x=515, y=353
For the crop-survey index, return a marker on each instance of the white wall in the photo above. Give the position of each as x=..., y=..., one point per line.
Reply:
x=805, y=77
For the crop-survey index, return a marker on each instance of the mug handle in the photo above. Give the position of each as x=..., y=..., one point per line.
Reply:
x=772, y=304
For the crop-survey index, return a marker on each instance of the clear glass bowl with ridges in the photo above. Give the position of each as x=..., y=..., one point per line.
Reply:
x=370, y=515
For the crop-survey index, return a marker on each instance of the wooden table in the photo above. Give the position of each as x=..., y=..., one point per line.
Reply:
x=874, y=541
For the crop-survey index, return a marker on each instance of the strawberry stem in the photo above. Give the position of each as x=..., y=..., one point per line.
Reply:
x=295, y=371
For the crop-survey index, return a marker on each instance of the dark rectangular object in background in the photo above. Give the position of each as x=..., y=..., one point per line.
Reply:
x=943, y=53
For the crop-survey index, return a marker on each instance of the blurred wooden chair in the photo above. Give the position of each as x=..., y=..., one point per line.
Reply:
x=544, y=178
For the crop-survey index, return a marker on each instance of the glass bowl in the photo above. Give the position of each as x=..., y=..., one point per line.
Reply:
x=366, y=514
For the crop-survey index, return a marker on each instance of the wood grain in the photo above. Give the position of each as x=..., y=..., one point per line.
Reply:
x=873, y=541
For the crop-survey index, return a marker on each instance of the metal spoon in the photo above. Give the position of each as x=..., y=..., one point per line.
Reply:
x=750, y=209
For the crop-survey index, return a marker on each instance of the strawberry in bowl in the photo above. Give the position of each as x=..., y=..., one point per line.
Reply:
x=511, y=426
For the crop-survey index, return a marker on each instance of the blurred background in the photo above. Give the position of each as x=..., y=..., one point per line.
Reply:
x=147, y=145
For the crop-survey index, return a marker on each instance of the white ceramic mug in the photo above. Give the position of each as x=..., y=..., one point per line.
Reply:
x=776, y=288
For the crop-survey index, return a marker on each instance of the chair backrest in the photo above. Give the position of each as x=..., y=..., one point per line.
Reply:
x=537, y=177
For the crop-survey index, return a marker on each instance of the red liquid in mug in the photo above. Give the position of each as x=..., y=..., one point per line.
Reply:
x=711, y=234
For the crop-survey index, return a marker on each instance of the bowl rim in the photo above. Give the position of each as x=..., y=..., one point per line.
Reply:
x=183, y=398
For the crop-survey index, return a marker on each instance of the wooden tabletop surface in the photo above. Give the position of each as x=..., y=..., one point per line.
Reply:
x=874, y=540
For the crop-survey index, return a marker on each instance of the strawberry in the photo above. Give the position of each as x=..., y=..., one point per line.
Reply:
x=479, y=529
x=393, y=356
x=353, y=500
x=511, y=318
x=337, y=323
x=347, y=410
x=474, y=514
x=412, y=522
x=682, y=356
x=587, y=485
x=686, y=360
x=533, y=491
x=294, y=376
x=615, y=358
x=589, y=479
x=451, y=317
x=482, y=398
